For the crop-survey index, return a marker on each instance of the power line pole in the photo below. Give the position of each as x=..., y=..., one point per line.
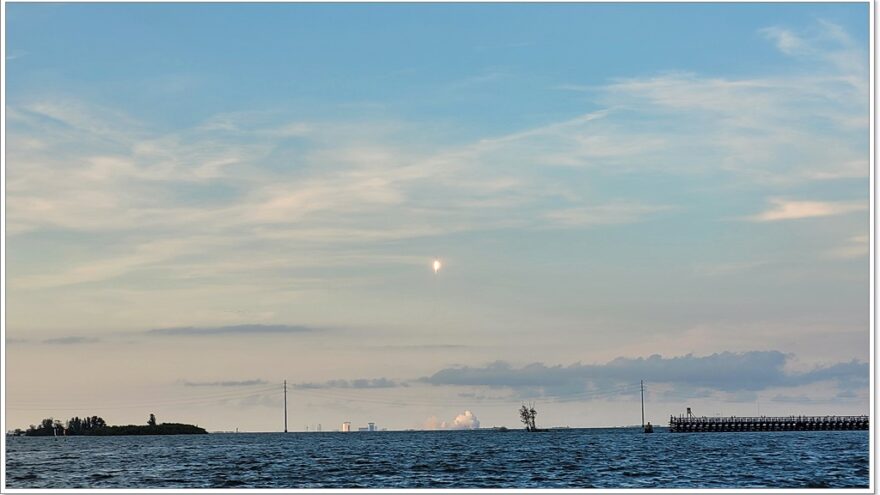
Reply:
x=285, y=406
x=642, y=388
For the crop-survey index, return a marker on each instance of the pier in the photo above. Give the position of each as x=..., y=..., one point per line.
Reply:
x=690, y=423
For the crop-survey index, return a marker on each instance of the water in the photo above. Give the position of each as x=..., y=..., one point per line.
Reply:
x=576, y=458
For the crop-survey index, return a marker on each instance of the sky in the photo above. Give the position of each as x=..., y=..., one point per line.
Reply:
x=205, y=200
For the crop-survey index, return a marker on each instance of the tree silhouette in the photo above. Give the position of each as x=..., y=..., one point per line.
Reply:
x=95, y=425
x=527, y=416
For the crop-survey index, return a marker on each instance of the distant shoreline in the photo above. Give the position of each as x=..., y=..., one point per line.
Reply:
x=134, y=430
x=96, y=426
x=162, y=429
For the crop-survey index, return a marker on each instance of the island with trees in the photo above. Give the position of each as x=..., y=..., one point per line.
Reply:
x=527, y=415
x=96, y=426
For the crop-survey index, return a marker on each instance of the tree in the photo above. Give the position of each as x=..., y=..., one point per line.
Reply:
x=98, y=422
x=152, y=420
x=47, y=427
x=532, y=414
x=527, y=416
x=75, y=426
x=524, y=416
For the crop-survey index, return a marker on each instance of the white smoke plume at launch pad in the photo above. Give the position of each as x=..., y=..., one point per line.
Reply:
x=464, y=421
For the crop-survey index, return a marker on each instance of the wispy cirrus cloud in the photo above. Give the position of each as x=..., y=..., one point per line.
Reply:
x=15, y=55
x=857, y=246
x=248, y=329
x=370, y=172
x=794, y=210
x=357, y=383
x=143, y=255
x=71, y=340
x=608, y=214
x=208, y=189
x=227, y=383
x=825, y=41
x=276, y=192
x=786, y=41
x=426, y=347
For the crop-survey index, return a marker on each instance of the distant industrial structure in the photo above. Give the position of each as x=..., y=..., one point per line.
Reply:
x=346, y=427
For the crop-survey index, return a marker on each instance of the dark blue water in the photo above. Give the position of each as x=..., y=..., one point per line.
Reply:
x=576, y=458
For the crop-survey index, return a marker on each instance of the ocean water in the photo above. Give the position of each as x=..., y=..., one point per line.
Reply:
x=575, y=458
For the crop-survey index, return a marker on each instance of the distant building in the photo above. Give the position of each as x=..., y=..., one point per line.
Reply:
x=363, y=428
x=346, y=427
x=371, y=427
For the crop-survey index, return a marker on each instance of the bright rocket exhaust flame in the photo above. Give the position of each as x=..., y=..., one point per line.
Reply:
x=437, y=266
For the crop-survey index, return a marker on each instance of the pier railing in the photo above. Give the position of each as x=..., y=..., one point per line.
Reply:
x=682, y=424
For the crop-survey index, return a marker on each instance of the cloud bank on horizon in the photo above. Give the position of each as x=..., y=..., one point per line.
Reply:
x=724, y=372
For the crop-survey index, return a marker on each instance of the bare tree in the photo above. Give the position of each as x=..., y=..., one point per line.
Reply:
x=527, y=416
x=532, y=414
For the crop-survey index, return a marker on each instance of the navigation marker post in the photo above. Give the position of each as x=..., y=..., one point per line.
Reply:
x=285, y=406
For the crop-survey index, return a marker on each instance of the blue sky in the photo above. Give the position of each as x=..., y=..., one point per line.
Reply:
x=601, y=182
x=179, y=64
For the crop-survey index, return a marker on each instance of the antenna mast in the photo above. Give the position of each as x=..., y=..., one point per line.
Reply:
x=642, y=389
x=285, y=406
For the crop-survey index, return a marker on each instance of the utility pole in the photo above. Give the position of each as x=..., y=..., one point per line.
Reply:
x=285, y=406
x=642, y=388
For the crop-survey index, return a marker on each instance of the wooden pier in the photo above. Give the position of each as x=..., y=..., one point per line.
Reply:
x=690, y=423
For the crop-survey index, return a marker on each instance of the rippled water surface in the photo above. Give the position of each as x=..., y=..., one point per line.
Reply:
x=576, y=458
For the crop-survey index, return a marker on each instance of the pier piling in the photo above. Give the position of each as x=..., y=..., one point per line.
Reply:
x=690, y=423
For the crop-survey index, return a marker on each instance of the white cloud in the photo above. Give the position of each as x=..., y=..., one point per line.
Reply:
x=464, y=421
x=856, y=246
x=786, y=41
x=608, y=214
x=794, y=210
x=143, y=255
x=853, y=169
x=824, y=42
